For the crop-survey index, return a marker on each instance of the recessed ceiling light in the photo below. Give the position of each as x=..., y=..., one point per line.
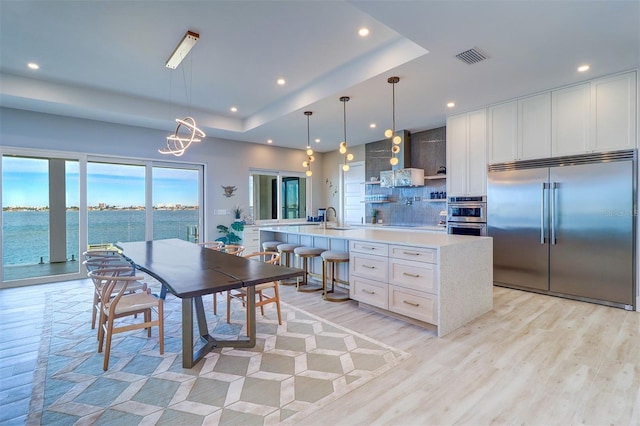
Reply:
x=451, y=105
x=281, y=81
x=373, y=125
x=269, y=141
x=33, y=66
x=233, y=109
x=317, y=140
x=363, y=32
x=583, y=68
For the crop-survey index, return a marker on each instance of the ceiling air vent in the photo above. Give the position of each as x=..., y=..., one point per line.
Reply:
x=471, y=56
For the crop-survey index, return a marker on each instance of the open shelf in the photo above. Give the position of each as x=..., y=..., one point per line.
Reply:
x=372, y=182
x=432, y=177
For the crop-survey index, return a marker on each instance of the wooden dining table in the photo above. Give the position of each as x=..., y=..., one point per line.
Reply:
x=189, y=271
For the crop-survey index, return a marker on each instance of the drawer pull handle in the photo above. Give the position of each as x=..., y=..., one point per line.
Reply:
x=368, y=267
x=411, y=275
x=411, y=303
x=368, y=248
x=412, y=253
x=368, y=291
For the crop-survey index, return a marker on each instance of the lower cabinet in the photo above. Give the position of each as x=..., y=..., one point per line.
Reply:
x=399, y=279
x=251, y=239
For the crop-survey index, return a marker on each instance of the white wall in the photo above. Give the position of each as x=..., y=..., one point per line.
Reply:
x=226, y=162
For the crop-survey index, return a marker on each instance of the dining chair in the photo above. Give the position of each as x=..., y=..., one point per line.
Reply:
x=233, y=249
x=117, y=302
x=271, y=257
x=107, y=259
x=214, y=245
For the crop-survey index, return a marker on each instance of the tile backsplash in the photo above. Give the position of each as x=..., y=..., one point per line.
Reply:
x=409, y=206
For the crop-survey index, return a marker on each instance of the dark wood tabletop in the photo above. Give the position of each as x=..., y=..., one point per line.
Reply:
x=189, y=270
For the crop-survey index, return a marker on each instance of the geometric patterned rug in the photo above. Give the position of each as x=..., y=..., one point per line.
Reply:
x=295, y=368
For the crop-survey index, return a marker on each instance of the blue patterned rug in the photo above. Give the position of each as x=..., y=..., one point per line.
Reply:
x=295, y=368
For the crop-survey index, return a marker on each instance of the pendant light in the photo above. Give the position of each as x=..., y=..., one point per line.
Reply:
x=178, y=142
x=310, y=157
x=391, y=133
x=343, y=145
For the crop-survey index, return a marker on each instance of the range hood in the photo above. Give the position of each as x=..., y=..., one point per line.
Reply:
x=402, y=175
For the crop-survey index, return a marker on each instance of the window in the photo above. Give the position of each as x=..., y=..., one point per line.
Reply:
x=176, y=205
x=40, y=215
x=277, y=195
x=54, y=206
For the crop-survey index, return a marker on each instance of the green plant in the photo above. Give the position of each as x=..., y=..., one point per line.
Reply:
x=374, y=213
x=230, y=237
x=237, y=212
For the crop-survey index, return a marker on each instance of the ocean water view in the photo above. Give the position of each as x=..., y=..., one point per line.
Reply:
x=25, y=234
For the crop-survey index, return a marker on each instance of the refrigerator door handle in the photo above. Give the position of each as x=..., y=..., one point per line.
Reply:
x=542, y=239
x=554, y=185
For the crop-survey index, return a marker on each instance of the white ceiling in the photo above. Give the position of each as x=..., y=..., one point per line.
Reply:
x=104, y=60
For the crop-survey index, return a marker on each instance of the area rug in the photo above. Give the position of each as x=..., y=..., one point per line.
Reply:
x=295, y=368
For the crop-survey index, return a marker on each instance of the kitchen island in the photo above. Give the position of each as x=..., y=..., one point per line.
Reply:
x=426, y=278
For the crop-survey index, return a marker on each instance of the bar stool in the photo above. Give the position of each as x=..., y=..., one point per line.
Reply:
x=271, y=245
x=286, y=250
x=305, y=253
x=331, y=258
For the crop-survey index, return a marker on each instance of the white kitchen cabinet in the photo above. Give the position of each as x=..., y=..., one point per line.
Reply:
x=520, y=129
x=502, y=132
x=613, y=112
x=251, y=239
x=467, y=154
x=534, y=127
x=570, y=120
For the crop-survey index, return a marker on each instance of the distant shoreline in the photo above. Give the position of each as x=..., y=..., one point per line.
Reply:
x=96, y=208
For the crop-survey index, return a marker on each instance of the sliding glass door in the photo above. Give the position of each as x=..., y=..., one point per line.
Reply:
x=40, y=216
x=54, y=208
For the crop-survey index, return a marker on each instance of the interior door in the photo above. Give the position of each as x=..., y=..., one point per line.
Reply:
x=517, y=221
x=354, y=208
x=592, y=255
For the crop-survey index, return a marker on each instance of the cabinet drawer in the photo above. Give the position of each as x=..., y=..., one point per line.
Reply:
x=418, y=254
x=369, y=248
x=414, y=275
x=369, y=291
x=368, y=266
x=413, y=304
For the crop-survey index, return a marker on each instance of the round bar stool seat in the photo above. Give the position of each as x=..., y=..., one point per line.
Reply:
x=331, y=258
x=286, y=250
x=271, y=245
x=305, y=253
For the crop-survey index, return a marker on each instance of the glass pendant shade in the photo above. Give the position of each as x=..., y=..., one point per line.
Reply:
x=309, y=151
x=391, y=133
x=308, y=172
x=397, y=140
x=393, y=161
x=345, y=167
x=388, y=133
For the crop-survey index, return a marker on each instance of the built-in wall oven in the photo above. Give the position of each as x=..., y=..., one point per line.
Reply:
x=467, y=216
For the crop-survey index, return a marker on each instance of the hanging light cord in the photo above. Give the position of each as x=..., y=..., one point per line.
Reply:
x=308, y=131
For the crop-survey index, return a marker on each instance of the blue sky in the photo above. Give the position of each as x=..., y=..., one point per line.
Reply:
x=25, y=183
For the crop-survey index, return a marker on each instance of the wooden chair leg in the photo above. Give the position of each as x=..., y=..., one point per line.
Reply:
x=261, y=300
x=107, y=349
x=277, y=296
x=94, y=310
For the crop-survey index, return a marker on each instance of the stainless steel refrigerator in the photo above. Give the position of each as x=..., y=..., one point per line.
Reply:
x=566, y=226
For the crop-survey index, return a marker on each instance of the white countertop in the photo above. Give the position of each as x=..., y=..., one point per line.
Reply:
x=383, y=234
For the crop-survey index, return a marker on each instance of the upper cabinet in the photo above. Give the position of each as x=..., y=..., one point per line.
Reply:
x=613, y=112
x=520, y=130
x=467, y=154
x=596, y=116
x=571, y=111
x=599, y=115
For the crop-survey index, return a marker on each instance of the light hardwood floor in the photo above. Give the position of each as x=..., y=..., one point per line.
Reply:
x=532, y=360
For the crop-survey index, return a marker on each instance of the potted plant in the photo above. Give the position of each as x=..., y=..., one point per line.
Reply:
x=374, y=216
x=237, y=212
x=230, y=237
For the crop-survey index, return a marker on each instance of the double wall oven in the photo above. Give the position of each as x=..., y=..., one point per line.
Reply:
x=467, y=216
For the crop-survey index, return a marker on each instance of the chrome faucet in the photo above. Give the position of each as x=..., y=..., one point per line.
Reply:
x=326, y=215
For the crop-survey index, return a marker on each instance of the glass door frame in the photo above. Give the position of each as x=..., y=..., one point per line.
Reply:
x=83, y=238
